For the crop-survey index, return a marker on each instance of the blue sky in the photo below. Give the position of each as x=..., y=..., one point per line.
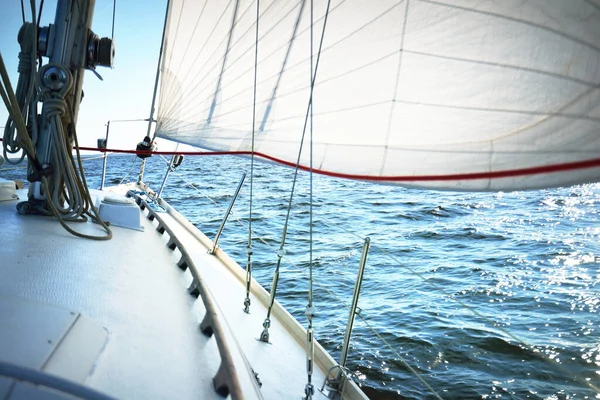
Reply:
x=126, y=91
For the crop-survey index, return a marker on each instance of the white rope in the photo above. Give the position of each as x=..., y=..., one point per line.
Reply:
x=25, y=100
x=75, y=193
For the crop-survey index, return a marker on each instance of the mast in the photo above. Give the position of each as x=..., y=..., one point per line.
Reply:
x=71, y=47
x=156, y=80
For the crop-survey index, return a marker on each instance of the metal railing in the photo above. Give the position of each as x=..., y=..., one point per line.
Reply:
x=234, y=376
x=227, y=213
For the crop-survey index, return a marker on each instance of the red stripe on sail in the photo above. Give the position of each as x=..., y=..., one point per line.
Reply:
x=546, y=169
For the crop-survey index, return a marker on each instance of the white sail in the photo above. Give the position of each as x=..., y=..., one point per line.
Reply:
x=461, y=94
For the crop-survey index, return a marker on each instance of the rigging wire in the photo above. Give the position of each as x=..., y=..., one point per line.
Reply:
x=404, y=362
x=193, y=94
x=297, y=269
x=112, y=32
x=155, y=92
x=187, y=47
x=171, y=90
x=293, y=267
x=23, y=11
x=281, y=252
x=182, y=103
x=187, y=102
x=249, y=246
x=310, y=309
x=129, y=170
x=192, y=102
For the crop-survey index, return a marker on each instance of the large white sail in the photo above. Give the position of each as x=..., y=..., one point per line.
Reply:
x=461, y=94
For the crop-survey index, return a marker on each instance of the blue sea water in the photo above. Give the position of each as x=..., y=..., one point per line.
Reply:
x=491, y=295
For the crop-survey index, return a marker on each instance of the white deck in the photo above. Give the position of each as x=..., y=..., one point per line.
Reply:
x=130, y=286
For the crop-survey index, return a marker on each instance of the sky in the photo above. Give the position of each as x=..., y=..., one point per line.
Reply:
x=126, y=91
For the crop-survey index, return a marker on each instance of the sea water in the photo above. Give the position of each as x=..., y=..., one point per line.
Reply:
x=482, y=296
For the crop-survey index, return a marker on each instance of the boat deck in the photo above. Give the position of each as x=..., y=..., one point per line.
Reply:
x=115, y=315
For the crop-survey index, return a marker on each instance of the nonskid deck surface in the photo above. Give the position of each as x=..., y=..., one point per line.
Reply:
x=127, y=286
x=130, y=288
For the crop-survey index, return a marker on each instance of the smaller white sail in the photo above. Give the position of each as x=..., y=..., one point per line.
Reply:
x=462, y=95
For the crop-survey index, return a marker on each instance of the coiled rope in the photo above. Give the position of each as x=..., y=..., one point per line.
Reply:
x=67, y=194
x=24, y=97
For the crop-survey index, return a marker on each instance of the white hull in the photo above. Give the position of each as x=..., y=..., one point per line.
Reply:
x=143, y=339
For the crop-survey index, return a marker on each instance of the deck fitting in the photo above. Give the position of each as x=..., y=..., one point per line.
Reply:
x=220, y=381
x=193, y=290
x=206, y=325
x=183, y=263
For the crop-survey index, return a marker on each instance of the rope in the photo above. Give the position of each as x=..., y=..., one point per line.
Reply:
x=249, y=246
x=39, y=18
x=25, y=100
x=68, y=186
x=23, y=11
x=12, y=105
x=75, y=192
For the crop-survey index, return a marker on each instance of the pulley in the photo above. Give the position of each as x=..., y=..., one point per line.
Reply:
x=55, y=78
x=177, y=160
x=145, y=145
x=100, y=51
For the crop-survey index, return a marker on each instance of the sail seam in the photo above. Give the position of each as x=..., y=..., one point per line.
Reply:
x=517, y=20
x=285, y=60
x=188, y=102
x=288, y=93
x=171, y=91
x=168, y=83
x=507, y=66
x=227, y=49
x=501, y=110
x=396, y=86
x=185, y=101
